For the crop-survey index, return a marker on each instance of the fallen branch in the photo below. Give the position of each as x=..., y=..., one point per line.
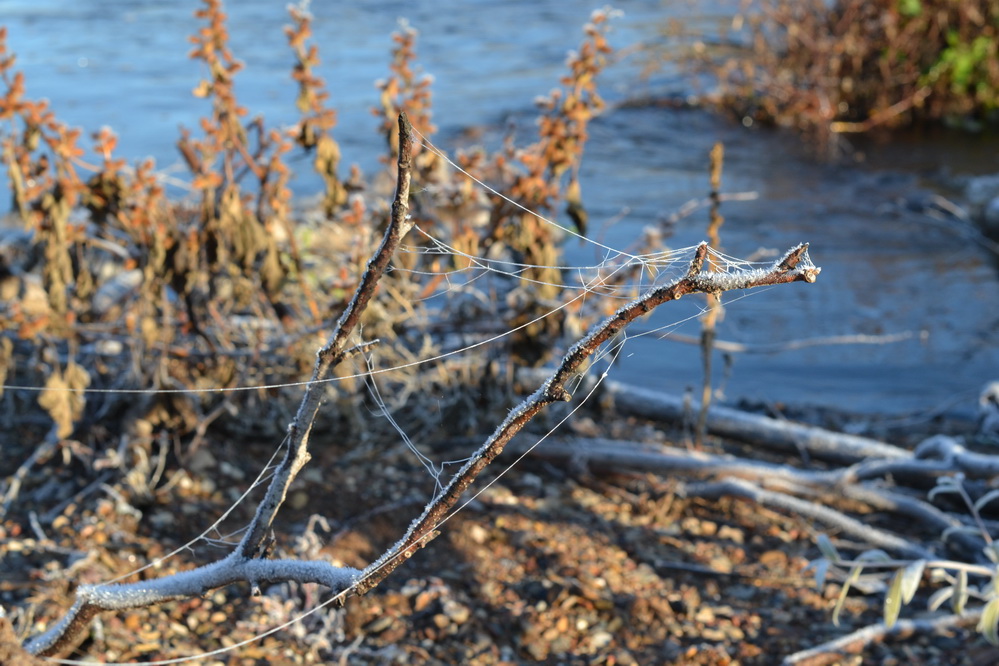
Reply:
x=628, y=456
x=831, y=517
x=833, y=651
x=753, y=428
x=743, y=426
x=803, y=343
x=618, y=455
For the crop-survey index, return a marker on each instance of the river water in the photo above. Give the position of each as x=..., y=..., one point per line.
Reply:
x=888, y=268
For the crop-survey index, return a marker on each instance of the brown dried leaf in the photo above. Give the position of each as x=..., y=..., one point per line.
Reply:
x=6, y=359
x=63, y=398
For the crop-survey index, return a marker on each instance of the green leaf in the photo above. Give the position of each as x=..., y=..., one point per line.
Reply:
x=850, y=580
x=939, y=597
x=958, y=529
x=827, y=548
x=910, y=8
x=960, y=597
x=893, y=599
x=874, y=555
x=912, y=575
x=821, y=568
x=946, y=484
x=988, y=625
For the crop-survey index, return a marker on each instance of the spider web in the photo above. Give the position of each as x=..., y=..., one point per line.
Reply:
x=476, y=287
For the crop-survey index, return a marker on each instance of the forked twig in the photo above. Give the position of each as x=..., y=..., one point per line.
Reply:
x=242, y=564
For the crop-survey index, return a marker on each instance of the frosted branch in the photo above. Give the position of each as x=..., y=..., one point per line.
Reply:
x=794, y=266
x=93, y=599
x=844, y=482
x=855, y=642
x=333, y=352
x=830, y=517
x=243, y=564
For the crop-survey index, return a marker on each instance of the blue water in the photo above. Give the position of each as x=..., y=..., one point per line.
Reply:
x=125, y=64
x=885, y=268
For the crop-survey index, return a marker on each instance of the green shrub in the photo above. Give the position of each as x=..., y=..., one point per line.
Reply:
x=857, y=65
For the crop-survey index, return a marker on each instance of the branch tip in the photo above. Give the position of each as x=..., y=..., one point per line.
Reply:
x=792, y=258
x=697, y=263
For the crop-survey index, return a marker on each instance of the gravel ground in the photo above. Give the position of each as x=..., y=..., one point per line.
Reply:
x=553, y=564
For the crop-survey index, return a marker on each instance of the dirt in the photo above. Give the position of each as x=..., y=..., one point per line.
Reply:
x=548, y=564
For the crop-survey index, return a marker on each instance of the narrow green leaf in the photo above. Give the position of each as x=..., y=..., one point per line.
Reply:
x=893, y=599
x=988, y=624
x=850, y=580
x=912, y=575
x=874, y=555
x=960, y=592
x=938, y=598
x=945, y=484
x=821, y=567
x=827, y=548
x=958, y=529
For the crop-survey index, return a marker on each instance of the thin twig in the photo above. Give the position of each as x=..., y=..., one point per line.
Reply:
x=332, y=353
x=42, y=451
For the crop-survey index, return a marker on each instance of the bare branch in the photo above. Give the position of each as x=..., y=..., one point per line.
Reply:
x=423, y=529
x=855, y=642
x=93, y=599
x=332, y=353
x=241, y=564
x=831, y=517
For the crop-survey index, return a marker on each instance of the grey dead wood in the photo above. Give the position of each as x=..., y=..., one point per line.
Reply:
x=776, y=434
x=848, y=482
x=753, y=428
x=830, y=517
x=854, y=643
